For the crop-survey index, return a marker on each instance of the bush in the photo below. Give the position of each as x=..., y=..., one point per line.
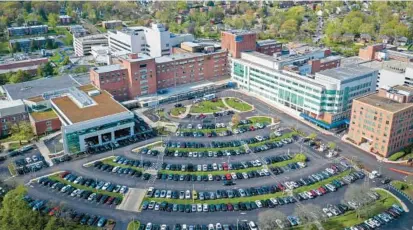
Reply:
x=396, y=156
x=301, y=157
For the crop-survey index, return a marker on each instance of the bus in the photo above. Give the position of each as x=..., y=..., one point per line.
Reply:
x=209, y=96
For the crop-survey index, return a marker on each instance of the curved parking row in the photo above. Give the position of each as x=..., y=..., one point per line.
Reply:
x=380, y=219
x=45, y=208
x=241, y=225
x=88, y=189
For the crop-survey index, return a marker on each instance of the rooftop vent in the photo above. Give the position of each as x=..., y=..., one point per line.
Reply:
x=93, y=93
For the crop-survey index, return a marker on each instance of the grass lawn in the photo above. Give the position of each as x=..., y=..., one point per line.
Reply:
x=203, y=130
x=261, y=119
x=405, y=187
x=178, y=111
x=407, y=156
x=114, y=194
x=287, y=135
x=278, y=164
x=110, y=162
x=12, y=169
x=208, y=107
x=134, y=225
x=350, y=218
x=150, y=146
x=56, y=57
x=238, y=104
x=13, y=146
x=247, y=199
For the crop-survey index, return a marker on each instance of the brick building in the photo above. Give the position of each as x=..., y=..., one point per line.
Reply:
x=329, y=62
x=111, y=24
x=29, y=65
x=237, y=41
x=44, y=121
x=269, y=47
x=383, y=122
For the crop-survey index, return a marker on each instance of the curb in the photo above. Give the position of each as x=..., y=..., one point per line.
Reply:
x=402, y=193
x=38, y=178
x=135, y=150
x=236, y=110
x=404, y=206
x=91, y=162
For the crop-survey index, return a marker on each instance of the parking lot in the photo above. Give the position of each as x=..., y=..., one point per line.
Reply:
x=236, y=171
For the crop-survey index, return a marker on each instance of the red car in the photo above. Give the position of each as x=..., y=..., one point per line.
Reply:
x=230, y=207
x=322, y=190
x=281, y=187
x=225, y=166
x=314, y=194
x=209, y=134
x=228, y=176
x=110, y=200
x=63, y=174
x=252, y=128
x=53, y=211
x=201, y=116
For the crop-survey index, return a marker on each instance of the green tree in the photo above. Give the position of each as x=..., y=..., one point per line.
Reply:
x=181, y=5
x=368, y=28
x=19, y=76
x=52, y=19
x=312, y=136
x=332, y=145
x=289, y=28
x=22, y=131
x=235, y=120
x=66, y=60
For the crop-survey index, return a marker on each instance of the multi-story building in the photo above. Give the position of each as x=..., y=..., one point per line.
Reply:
x=136, y=75
x=29, y=65
x=27, y=30
x=155, y=41
x=83, y=45
x=329, y=62
x=77, y=31
x=269, y=47
x=65, y=19
x=44, y=121
x=383, y=122
x=111, y=24
x=237, y=41
x=11, y=112
x=90, y=118
x=324, y=99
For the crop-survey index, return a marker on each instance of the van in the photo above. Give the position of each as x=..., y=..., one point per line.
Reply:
x=209, y=96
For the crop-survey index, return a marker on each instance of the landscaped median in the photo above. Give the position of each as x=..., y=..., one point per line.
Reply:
x=57, y=177
x=350, y=218
x=178, y=111
x=134, y=225
x=251, y=198
x=208, y=107
x=297, y=158
x=109, y=161
x=238, y=104
x=149, y=146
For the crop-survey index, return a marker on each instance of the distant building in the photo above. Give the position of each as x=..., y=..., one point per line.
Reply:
x=77, y=30
x=382, y=122
x=27, y=30
x=65, y=19
x=29, y=65
x=11, y=112
x=155, y=41
x=111, y=24
x=269, y=47
x=26, y=44
x=83, y=45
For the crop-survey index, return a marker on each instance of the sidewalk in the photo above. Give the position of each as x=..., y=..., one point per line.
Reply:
x=139, y=112
x=44, y=151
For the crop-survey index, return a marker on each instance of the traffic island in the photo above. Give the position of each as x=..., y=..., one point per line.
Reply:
x=237, y=105
x=134, y=225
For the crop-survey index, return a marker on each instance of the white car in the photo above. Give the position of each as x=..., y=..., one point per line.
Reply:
x=218, y=226
x=211, y=227
x=210, y=178
x=234, y=176
x=215, y=166
x=205, y=208
x=252, y=225
x=199, y=168
x=199, y=126
x=163, y=227
x=169, y=194
x=274, y=201
x=245, y=175
x=259, y=138
x=259, y=204
x=123, y=189
x=78, y=180
x=184, y=227
x=327, y=212
x=28, y=160
x=189, y=126
x=199, y=207
x=187, y=194
x=148, y=226
x=106, y=185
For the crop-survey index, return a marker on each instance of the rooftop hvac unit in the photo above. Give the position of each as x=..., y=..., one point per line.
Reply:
x=93, y=93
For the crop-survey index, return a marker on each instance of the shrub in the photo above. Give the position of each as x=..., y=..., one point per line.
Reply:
x=396, y=156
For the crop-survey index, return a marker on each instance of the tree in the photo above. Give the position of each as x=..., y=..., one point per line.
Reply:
x=53, y=19
x=66, y=60
x=19, y=76
x=312, y=136
x=235, y=119
x=289, y=28
x=309, y=213
x=368, y=28
x=332, y=145
x=22, y=131
x=267, y=219
x=181, y=5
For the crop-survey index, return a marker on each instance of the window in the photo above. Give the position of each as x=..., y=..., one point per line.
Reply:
x=48, y=123
x=3, y=120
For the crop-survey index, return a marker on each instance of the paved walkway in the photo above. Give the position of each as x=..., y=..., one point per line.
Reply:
x=139, y=112
x=404, y=206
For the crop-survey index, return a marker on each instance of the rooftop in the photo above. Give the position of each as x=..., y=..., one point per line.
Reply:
x=383, y=103
x=239, y=32
x=37, y=87
x=391, y=65
x=104, y=106
x=43, y=115
x=26, y=68
x=346, y=72
x=352, y=60
x=7, y=104
x=108, y=68
x=330, y=58
x=176, y=57
x=266, y=42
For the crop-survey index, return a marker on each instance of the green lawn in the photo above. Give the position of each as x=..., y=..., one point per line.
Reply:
x=238, y=104
x=134, y=225
x=56, y=57
x=14, y=145
x=247, y=199
x=350, y=218
x=278, y=164
x=403, y=186
x=114, y=194
x=287, y=135
x=208, y=107
x=178, y=111
x=261, y=119
x=12, y=169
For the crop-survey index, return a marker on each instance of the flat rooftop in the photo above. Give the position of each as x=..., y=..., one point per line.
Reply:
x=267, y=42
x=383, y=103
x=108, y=68
x=105, y=106
x=346, y=72
x=37, y=87
x=352, y=60
x=391, y=65
x=176, y=57
x=44, y=115
x=239, y=32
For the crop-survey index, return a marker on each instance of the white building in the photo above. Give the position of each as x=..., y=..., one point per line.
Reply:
x=155, y=41
x=392, y=72
x=324, y=99
x=90, y=118
x=83, y=45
